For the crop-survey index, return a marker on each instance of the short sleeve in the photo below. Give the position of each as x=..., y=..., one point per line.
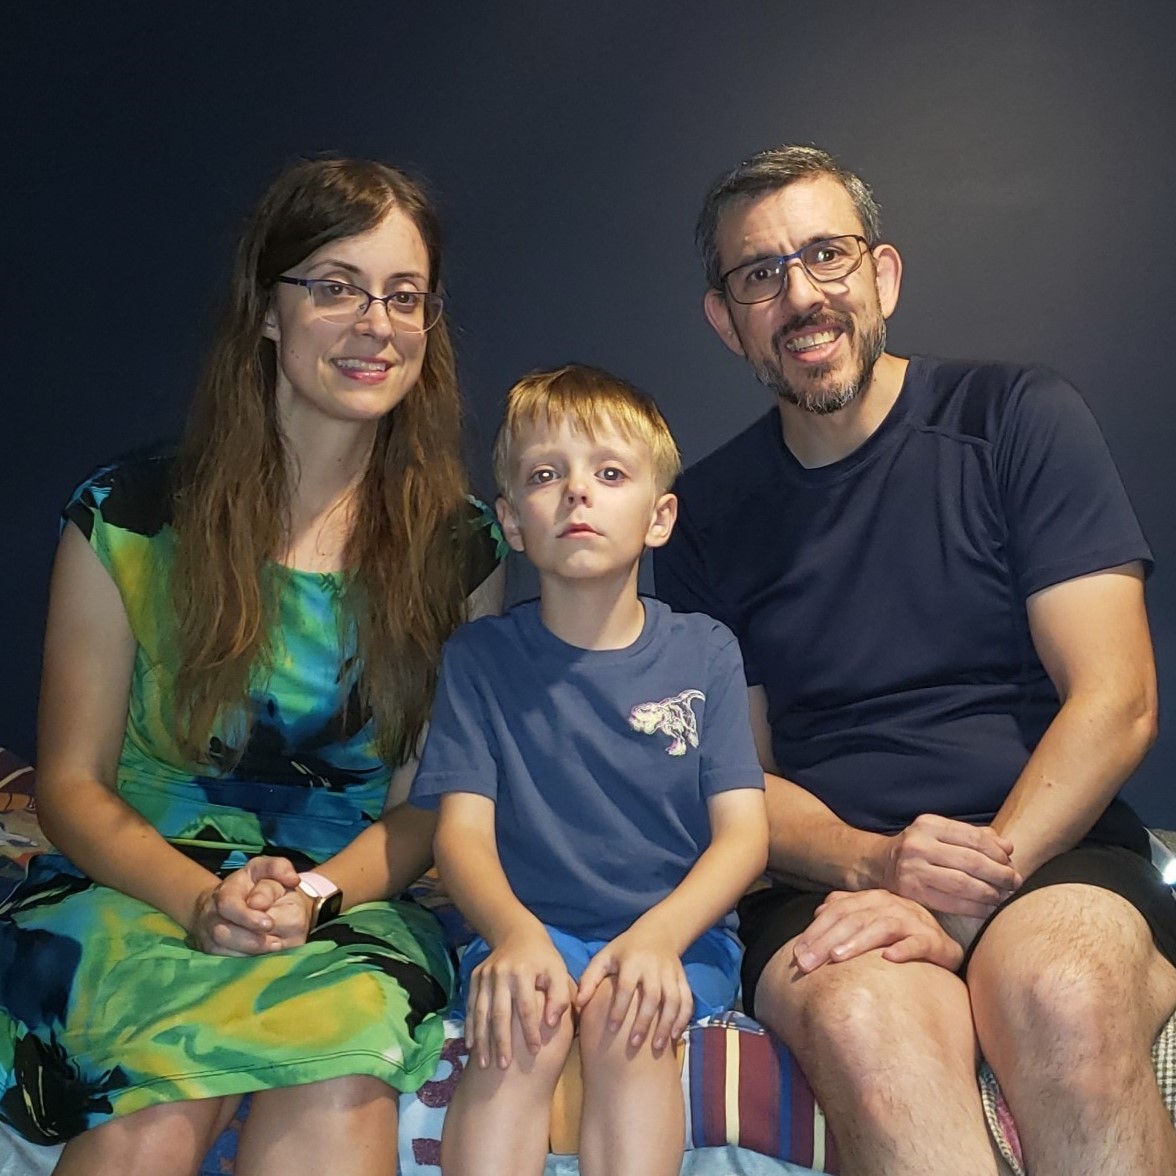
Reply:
x=84, y=510
x=121, y=509
x=458, y=756
x=1067, y=510
x=729, y=757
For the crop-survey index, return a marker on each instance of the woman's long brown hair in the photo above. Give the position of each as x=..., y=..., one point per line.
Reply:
x=404, y=590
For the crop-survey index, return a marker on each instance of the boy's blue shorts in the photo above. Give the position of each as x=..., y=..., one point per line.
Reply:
x=711, y=963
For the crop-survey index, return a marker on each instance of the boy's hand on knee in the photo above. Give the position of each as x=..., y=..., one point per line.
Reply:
x=648, y=968
x=524, y=978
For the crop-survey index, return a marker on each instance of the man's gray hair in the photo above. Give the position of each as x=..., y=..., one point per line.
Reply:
x=769, y=171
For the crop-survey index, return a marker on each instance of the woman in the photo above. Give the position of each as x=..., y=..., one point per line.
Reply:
x=241, y=647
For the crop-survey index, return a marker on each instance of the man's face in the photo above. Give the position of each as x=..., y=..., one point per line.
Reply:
x=815, y=344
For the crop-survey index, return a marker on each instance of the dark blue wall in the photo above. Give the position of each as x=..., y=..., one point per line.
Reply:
x=1022, y=153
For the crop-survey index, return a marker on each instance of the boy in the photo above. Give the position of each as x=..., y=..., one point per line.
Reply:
x=601, y=803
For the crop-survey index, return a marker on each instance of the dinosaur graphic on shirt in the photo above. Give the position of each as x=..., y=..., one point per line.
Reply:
x=671, y=716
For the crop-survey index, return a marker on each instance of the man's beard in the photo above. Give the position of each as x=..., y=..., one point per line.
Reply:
x=815, y=396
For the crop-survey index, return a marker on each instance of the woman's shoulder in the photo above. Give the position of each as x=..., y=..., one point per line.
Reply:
x=131, y=493
x=483, y=544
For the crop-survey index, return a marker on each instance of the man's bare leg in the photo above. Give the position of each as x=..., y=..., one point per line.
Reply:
x=891, y=1056
x=1069, y=993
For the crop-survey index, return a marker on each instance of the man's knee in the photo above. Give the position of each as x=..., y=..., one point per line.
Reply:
x=1072, y=969
x=861, y=1008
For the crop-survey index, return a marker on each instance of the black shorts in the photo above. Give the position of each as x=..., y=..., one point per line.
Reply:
x=768, y=919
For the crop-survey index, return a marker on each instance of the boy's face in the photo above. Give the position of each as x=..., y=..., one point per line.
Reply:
x=584, y=508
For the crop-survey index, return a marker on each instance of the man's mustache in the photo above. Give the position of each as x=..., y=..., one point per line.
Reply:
x=814, y=321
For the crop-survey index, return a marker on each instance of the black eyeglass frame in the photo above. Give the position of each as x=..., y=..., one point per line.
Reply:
x=782, y=260
x=429, y=300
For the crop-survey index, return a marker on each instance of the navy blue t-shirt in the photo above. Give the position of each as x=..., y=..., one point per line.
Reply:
x=880, y=600
x=600, y=762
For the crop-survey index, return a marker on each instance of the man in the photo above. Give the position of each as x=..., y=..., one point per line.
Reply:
x=937, y=583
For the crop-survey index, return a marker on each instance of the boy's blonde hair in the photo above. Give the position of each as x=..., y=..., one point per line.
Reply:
x=587, y=398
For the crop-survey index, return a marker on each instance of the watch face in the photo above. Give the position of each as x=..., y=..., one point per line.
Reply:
x=328, y=909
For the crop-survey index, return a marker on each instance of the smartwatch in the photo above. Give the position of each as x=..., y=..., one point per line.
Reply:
x=326, y=896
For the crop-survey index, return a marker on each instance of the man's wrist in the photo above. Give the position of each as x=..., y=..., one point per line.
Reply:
x=874, y=869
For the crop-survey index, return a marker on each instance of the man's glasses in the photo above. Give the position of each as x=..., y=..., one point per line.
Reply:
x=411, y=311
x=824, y=261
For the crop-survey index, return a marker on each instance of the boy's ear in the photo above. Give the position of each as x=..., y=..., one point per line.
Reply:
x=510, y=523
x=665, y=515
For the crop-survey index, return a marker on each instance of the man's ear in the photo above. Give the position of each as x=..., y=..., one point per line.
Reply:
x=510, y=523
x=718, y=314
x=665, y=515
x=887, y=277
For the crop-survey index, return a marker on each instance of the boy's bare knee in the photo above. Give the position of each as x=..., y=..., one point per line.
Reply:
x=594, y=1016
x=598, y=1035
x=545, y=1066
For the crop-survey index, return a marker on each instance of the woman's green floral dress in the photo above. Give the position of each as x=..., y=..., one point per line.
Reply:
x=105, y=1008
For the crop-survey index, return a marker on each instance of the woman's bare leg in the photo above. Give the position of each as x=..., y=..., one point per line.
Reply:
x=341, y=1125
x=172, y=1138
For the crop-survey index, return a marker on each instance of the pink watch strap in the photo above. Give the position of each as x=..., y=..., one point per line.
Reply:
x=316, y=885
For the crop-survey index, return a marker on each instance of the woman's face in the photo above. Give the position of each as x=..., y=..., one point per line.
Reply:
x=356, y=371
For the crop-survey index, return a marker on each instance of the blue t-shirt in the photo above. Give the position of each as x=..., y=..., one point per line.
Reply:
x=600, y=762
x=880, y=600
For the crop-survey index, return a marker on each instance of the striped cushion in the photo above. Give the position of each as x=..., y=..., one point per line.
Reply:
x=745, y=1088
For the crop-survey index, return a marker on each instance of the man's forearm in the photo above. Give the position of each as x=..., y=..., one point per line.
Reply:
x=1091, y=634
x=812, y=848
x=1089, y=750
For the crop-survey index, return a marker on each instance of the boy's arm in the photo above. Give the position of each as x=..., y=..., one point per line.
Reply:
x=648, y=955
x=523, y=963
